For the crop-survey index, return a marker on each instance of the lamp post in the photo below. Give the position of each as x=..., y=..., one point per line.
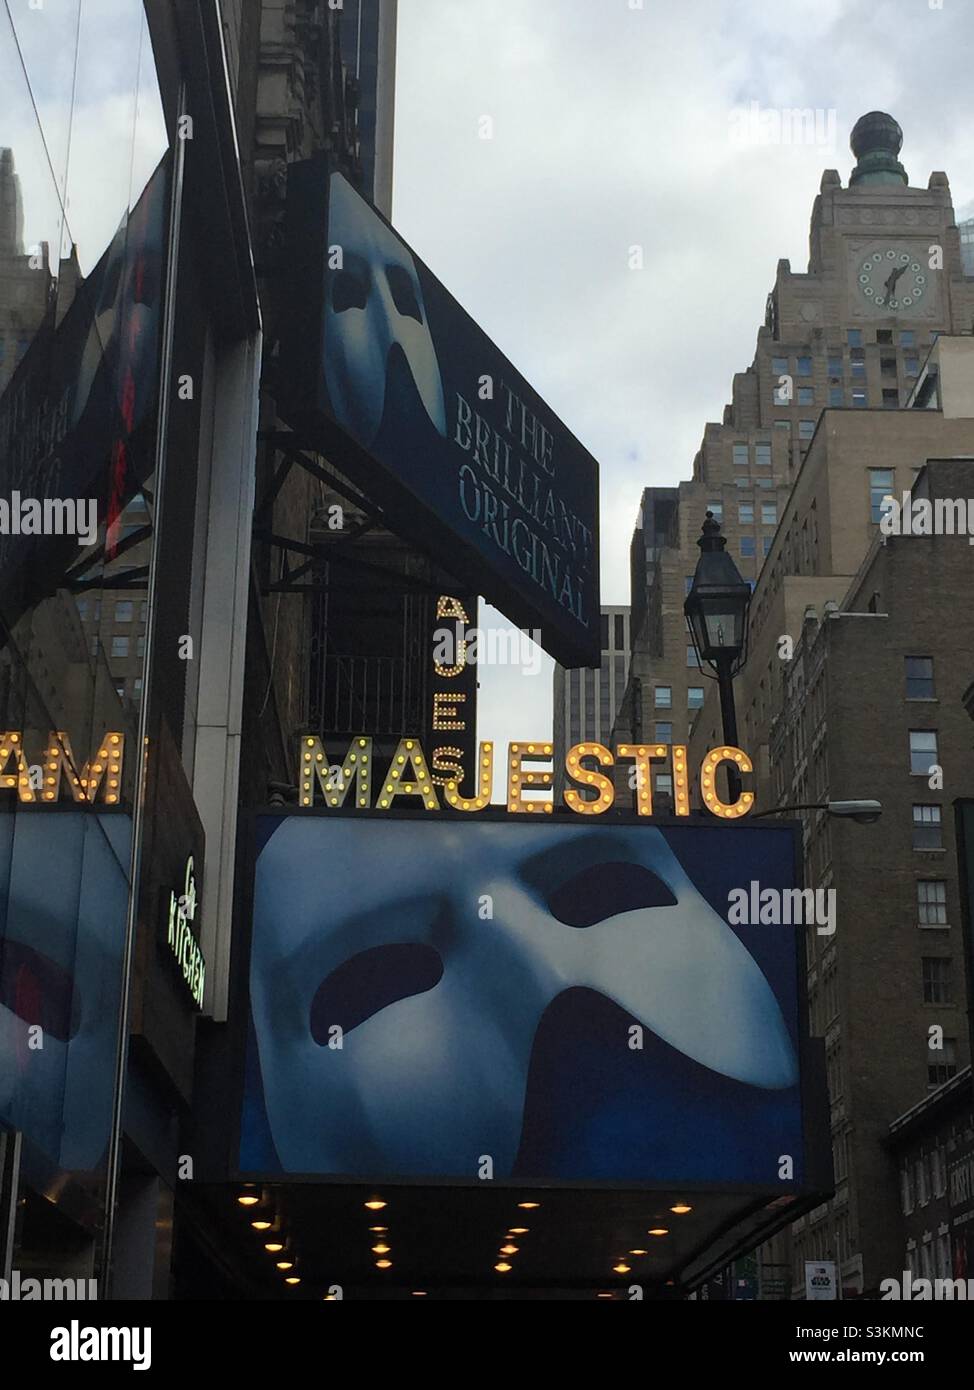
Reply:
x=716, y=610
x=862, y=812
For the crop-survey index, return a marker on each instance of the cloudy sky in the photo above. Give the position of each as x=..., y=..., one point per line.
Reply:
x=612, y=127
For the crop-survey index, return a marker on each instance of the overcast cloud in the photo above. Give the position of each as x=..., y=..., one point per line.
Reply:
x=611, y=129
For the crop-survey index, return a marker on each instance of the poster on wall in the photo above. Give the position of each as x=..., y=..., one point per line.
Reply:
x=557, y=1002
x=384, y=372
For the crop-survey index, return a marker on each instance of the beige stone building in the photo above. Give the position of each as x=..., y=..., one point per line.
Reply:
x=860, y=654
x=884, y=278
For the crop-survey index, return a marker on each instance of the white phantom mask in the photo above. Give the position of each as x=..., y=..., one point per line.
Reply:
x=375, y=306
x=432, y=1071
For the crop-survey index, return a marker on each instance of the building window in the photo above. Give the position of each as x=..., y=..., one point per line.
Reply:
x=927, y=827
x=747, y=547
x=891, y=400
x=766, y=544
x=806, y=428
x=779, y=365
x=604, y=631
x=835, y=366
x=718, y=510
x=82, y=605
x=880, y=487
x=143, y=611
x=859, y=400
x=763, y=482
x=942, y=1062
x=695, y=697
x=687, y=583
x=120, y=646
x=140, y=646
x=906, y=1188
x=664, y=784
x=741, y=456
x=744, y=483
x=664, y=732
x=923, y=751
x=806, y=395
x=769, y=513
x=887, y=365
x=762, y=453
x=124, y=610
x=919, y=677
x=908, y=338
x=884, y=335
x=745, y=513
x=836, y=396
x=663, y=696
x=854, y=337
x=936, y=979
x=619, y=623
x=911, y=365
x=783, y=425
x=692, y=658
x=932, y=902
x=803, y=366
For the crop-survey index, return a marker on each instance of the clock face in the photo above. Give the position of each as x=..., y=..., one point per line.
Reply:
x=893, y=279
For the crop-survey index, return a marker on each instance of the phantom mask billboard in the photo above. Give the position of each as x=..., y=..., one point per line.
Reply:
x=63, y=899
x=387, y=374
x=560, y=1002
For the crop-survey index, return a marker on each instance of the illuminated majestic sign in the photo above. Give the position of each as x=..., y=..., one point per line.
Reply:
x=408, y=775
x=180, y=938
x=41, y=781
x=453, y=692
x=384, y=371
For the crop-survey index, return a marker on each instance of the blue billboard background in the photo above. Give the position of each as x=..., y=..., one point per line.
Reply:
x=484, y=980
x=63, y=898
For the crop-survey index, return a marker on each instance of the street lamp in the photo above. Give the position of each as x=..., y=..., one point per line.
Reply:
x=716, y=611
x=862, y=812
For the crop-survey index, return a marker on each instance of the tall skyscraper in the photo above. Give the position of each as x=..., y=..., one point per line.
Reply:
x=368, y=37
x=885, y=277
x=586, y=701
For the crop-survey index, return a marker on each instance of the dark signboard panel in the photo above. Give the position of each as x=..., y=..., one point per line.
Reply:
x=382, y=370
x=562, y=1003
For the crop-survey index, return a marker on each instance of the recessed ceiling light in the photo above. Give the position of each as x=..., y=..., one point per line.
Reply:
x=378, y=1230
x=383, y=1264
x=529, y=1206
x=621, y=1267
x=509, y=1249
x=376, y=1204
x=292, y=1279
x=330, y=1298
x=681, y=1208
x=658, y=1231
x=273, y=1247
x=502, y=1267
x=248, y=1199
x=381, y=1249
x=519, y=1230
x=419, y=1293
x=639, y=1252
x=285, y=1264
x=261, y=1225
